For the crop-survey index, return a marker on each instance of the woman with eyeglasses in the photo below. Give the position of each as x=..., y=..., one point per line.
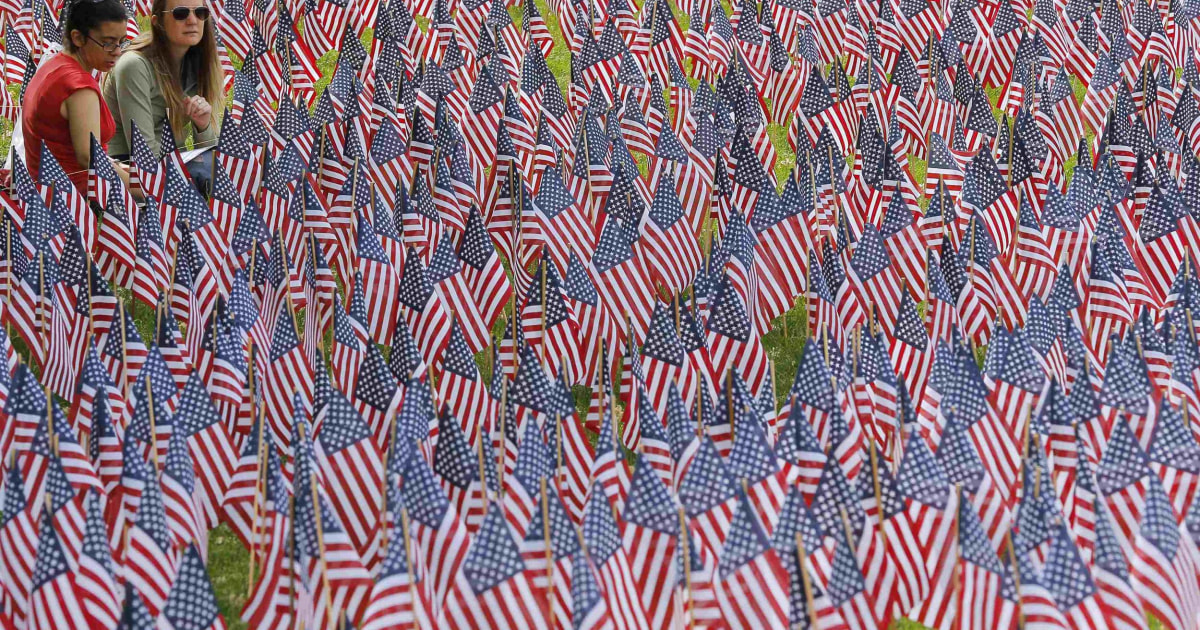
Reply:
x=171, y=73
x=62, y=106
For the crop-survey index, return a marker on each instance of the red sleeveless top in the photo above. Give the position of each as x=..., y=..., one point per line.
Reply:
x=56, y=79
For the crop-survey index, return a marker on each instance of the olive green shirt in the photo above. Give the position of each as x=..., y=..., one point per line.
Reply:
x=132, y=93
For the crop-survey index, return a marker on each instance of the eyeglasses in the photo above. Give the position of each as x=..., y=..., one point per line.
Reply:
x=181, y=13
x=111, y=47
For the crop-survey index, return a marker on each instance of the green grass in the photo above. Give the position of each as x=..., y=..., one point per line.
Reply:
x=229, y=566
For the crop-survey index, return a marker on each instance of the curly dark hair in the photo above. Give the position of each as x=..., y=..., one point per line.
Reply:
x=85, y=15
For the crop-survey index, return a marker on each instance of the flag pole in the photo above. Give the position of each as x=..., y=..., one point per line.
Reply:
x=292, y=555
x=91, y=313
x=837, y=200
x=872, y=449
x=503, y=422
x=287, y=279
x=543, y=289
x=9, y=225
x=806, y=580
x=386, y=485
x=1016, y=573
x=684, y=547
x=318, y=513
x=124, y=351
x=675, y=302
x=479, y=463
x=774, y=405
x=253, y=252
x=312, y=256
x=50, y=420
x=259, y=489
x=42, y=306
x=408, y=558
x=153, y=430
x=956, y=573
x=321, y=161
x=549, y=552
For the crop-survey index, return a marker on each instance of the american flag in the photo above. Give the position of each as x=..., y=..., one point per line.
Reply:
x=192, y=600
x=1174, y=455
x=18, y=542
x=352, y=470
x=1116, y=593
x=287, y=370
x=408, y=169
x=150, y=561
x=460, y=467
x=602, y=540
x=334, y=577
x=672, y=251
x=179, y=486
x=95, y=576
x=53, y=599
x=493, y=589
x=423, y=310
x=482, y=269
x=732, y=342
x=653, y=539
x=440, y=536
x=708, y=492
x=1158, y=563
x=1068, y=578
x=400, y=597
x=753, y=576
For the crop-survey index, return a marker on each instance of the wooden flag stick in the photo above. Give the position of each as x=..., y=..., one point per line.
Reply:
x=1016, y=573
x=321, y=160
x=124, y=351
x=153, y=431
x=287, y=279
x=558, y=451
x=292, y=554
x=503, y=421
x=408, y=557
x=50, y=420
x=316, y=500
x=253, y=257
x=806, y=580
x=259, y=489
x=729, y=411
x=956, y=576
x=684, y=548
x=549, y=552
x=43, y=343
x=91, y=315
x=543, y=293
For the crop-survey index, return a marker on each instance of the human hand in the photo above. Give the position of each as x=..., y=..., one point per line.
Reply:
x=198, y=111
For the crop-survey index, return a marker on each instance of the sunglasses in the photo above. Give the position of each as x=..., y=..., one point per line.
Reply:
x=181, y=13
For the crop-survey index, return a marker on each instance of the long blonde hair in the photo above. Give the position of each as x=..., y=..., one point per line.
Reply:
x=201, y=58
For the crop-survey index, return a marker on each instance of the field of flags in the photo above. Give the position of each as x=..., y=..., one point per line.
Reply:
x=366, y=341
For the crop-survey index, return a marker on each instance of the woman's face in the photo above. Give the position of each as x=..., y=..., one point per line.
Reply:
x=91, y=47
x=185, y=32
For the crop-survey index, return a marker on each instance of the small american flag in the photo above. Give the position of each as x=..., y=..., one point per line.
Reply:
x=53, y=599
x=192, y=602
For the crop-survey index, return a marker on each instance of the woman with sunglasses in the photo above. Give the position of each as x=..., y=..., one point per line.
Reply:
x=171, y=73
x=62, y=106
